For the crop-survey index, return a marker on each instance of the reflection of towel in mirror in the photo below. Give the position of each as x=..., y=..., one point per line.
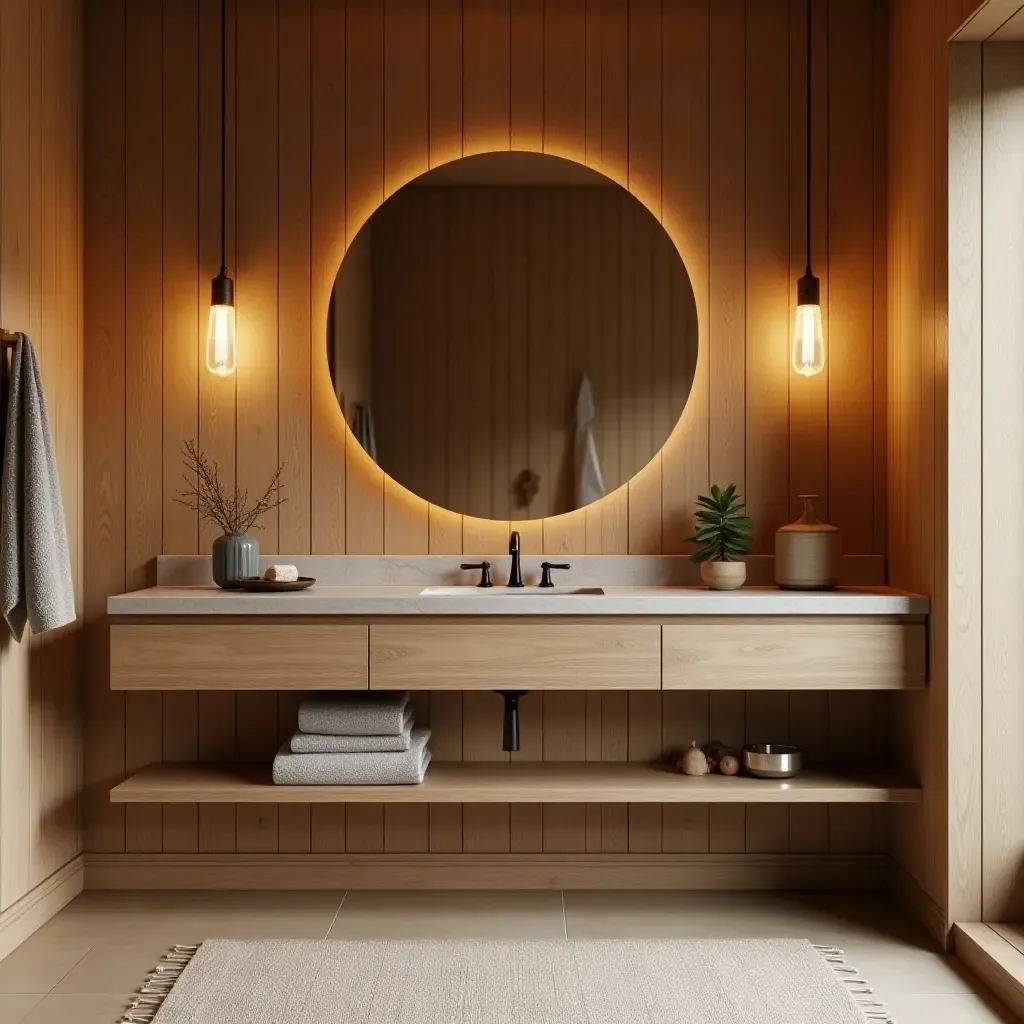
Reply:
x=363, y=429
x=35, y=569
x=589, y=481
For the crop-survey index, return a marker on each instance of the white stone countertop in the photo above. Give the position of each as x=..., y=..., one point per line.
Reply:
x=616, y=600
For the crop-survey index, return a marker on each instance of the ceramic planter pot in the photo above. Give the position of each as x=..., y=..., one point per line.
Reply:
x=235, y=556
x=807, y=552
x=723, y=575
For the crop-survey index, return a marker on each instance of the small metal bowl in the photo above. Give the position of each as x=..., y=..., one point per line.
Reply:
x=772, y=760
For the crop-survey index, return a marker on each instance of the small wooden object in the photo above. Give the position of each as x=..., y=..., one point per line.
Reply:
x=721, y=759
x=694, y=761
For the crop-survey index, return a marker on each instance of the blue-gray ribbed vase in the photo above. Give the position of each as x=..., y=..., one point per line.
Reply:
x=235, y=556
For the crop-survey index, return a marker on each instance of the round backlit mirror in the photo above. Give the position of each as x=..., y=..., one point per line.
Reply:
x=512, y=335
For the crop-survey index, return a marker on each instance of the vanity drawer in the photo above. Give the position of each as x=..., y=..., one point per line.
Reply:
x=238, y=656
x=502, y=657
x=790, y=655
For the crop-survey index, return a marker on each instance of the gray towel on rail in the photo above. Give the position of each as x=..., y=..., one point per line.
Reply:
x=35, y=569
x=395, y=768
x=366, y=713
x=319, y=743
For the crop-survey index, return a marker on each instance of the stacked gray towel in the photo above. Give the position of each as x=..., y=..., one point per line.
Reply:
x=354, y=739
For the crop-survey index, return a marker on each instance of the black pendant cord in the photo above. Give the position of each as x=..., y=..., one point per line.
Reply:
x=808, y=183
x=223, y=136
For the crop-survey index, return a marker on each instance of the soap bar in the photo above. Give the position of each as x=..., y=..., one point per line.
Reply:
x=282, y=573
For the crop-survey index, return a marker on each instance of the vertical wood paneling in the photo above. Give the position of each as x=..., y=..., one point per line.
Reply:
x=406, y=155
x=329, y=240
x=767, y=268
x=445, y=86
x=645, y=182
x=686, y=48
x=181, y=352
x=143, y=397
x=297, y=333
x=364, y=192
x=851, y=275
x=486, y=48
x=809, y=396
x=40, y=260
x=257, y=249
x=697, y=108
x=1002, y=158
x=104, y=402
x=179, y=62
x=526, y=74
x=295, y=328
x=965, y=477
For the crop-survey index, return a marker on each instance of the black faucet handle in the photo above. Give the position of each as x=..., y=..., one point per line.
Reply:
x=545, y=573
x=485, y=572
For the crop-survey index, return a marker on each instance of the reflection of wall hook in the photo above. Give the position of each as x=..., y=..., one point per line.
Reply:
x=510, y=722
x=525, y=487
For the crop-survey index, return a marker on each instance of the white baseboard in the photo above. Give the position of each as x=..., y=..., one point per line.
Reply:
x=38, y=905
x=909, y=894
x=484, y=871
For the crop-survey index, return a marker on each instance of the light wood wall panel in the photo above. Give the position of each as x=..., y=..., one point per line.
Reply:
x=683, y=103
x=917, y=384
x=41, y=294
x=1002, y=483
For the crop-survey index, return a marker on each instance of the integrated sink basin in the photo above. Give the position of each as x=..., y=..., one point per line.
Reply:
x=534, y=591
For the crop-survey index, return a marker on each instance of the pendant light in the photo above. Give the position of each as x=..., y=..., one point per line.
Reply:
x=808, y=340
x=221, y=356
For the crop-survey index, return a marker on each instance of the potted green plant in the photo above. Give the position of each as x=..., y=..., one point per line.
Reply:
x=236, y=555
x=722, y=536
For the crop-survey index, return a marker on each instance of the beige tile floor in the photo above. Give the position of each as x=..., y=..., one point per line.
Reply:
x=81, y=967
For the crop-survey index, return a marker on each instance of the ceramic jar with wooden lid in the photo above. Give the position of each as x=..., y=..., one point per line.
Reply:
x=807, y=552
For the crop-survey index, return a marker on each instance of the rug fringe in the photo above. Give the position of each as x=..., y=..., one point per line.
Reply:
x=157, y=987
x=874, y=1011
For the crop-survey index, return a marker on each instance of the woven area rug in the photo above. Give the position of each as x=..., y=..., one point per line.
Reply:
x=775, y=981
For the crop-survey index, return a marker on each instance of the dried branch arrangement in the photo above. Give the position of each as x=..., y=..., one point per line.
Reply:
x=206, y=494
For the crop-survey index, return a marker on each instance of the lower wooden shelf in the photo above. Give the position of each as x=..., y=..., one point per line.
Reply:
x=511, y=782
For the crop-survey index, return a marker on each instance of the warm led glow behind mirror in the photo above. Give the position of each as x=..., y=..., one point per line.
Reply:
x=512, y=335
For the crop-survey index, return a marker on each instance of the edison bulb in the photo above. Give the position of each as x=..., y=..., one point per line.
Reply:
x=220, y=341
x=808, y=341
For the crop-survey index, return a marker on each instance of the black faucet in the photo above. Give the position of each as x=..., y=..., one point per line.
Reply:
x=515, y=574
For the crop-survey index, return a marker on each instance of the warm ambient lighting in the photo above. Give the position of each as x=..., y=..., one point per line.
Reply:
x=221, y=358
x=808, y=339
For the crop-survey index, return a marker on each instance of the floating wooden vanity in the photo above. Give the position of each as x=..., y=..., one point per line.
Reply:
x=634, y=639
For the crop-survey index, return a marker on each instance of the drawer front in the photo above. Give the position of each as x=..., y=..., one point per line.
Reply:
x=794, y=656
x=236, y=656
x=541, y=657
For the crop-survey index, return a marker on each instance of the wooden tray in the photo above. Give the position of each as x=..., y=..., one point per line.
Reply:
x=256, y=584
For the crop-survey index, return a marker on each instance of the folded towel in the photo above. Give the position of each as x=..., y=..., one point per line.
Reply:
x=318, y=743
x=35, y=569
x=354, y=714
x=395, y=768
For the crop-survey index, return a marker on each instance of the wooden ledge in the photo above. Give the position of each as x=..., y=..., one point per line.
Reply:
x=511, y=782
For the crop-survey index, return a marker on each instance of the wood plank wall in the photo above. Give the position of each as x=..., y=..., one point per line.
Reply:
x=541, y=285
x=695, y=106
x=41, y=294
x=918, y=414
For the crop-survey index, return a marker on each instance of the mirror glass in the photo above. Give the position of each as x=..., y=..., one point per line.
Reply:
x=512, y=336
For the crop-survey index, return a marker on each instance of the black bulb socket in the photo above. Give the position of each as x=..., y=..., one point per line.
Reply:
x=222, y=291
x=808, y=290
